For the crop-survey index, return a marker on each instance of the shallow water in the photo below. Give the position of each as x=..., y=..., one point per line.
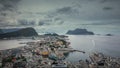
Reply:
x=7, y=44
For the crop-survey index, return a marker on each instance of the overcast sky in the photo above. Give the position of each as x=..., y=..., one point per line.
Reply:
x=61, y=14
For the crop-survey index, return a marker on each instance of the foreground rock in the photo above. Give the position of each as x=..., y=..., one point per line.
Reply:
x=23, y=32
x=79, y=32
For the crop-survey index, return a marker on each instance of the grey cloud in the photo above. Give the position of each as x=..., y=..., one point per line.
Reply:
x=26, y=23
x=87, y=12
x=110, y=22
x=90, y=10
x=61, y=22
x=9, y=5
x=44, y=22
x=60, y=13
x=41, y=23
x=56, y=19
x=101, y=1
x=3, y=14
x=22, y=22
x=51, y=15
x=51, y=21
x=32, y=23
x=8, y=9
x=104, y=1
x=67, y=10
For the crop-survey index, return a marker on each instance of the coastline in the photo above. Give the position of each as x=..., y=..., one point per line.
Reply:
x=33, y=49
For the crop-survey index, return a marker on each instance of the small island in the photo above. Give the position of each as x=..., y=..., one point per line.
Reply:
x=109, y=35
x=79, y=31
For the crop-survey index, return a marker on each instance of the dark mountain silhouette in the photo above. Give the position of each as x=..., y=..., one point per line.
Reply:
x=23, y=32
x=9, y=30
x=79, y=32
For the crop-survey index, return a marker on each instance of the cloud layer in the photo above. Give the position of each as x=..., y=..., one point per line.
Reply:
x=8, y=11
x=63, y=14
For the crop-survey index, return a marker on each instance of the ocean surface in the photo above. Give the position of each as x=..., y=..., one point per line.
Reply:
x=109, y=45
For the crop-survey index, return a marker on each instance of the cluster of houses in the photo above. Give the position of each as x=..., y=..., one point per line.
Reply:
x=49, y=52
x=38, y=53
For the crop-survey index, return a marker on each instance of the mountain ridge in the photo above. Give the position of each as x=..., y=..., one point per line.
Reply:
x=25, y=32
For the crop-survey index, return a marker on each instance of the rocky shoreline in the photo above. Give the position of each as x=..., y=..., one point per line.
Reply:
x=49, y=52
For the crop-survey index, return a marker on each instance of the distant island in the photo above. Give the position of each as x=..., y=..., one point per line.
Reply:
x=22, y=32
x=79, y=31
x=109, y=35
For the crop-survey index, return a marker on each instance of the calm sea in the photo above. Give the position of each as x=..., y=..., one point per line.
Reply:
x=109, y=45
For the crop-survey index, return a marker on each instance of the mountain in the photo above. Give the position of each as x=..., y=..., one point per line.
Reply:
x=10, y=30
x=23, y=32
x=79, y=32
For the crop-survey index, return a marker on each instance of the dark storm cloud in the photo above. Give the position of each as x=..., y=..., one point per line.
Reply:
x=8, y=5
x=53, y=13
x=8, y=8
